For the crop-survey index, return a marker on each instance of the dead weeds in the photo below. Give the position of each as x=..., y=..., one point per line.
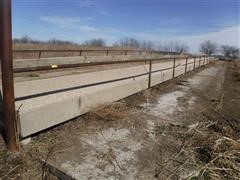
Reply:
x=109, y=112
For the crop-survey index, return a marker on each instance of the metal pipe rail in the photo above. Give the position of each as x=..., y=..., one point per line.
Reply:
x=149, y=73
x=77, y=65
x=81, y=51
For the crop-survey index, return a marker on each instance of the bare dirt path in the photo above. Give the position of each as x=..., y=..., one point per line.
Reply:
x=182, y=129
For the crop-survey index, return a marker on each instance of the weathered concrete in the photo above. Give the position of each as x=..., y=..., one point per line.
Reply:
x=40, y=113
x=140, y=144
x=20, y=63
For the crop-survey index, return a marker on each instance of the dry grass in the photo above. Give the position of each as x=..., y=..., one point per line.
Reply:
x=211, y=154
x=210, y=149
x=218, y=155
x=110, y=112
x=120, y=109
x=42, y=46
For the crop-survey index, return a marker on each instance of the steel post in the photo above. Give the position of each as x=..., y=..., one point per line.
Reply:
x=150, y=74
x=39, y=54
x=11, y=135
x=186, y=65
x=194, y=66
x=174, y=64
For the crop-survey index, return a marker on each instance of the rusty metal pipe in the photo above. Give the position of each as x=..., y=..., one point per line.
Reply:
x=77, y=65
x=186, y=65
x=150, y=74
x=11, y=135
x=174, y=66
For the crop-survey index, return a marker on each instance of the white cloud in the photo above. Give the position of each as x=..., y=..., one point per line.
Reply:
x=88, y=28
x=69, y=22
x=64, y=22
x=229, y=36
x=86, y=3
x=103, y=12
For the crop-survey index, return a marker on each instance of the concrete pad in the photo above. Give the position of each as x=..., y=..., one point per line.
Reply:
x=21, y=63
x=39, y=113
x=132, y=148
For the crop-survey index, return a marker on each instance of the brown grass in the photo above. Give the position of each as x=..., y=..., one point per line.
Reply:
x=110, y=112
x=44, y=46
x=218, y=154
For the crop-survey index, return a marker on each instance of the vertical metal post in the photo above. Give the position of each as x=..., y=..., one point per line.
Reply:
x=186, y=65
x=39, y=54
x=107, y=52
x=11, y=135
x=204, y=60
x=80, y=53
x=150, y=74
x=194, y=65
x=200, y=62
x=174, y=65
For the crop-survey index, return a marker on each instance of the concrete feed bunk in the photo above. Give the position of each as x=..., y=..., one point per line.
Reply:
x=39, y=111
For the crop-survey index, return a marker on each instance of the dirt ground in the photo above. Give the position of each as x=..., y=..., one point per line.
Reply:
x=187, y=128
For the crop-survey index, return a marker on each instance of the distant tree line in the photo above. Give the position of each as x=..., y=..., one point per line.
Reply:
x=230, y=51
x=95, y=42
x=171, y=46
x=207, y=47
x=28, y=40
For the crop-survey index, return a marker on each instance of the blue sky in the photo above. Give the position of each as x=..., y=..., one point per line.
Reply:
x=190, y=21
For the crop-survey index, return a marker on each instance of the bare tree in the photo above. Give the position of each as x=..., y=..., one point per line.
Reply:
x=208, y=47
x=24, y=39
x=60, y=42
x=127, y=43
x=229, y=51
x=180, y=47
x=28, y=40
x=174, y=46
x=170, y=46
x=147, y=45
x=95, y=42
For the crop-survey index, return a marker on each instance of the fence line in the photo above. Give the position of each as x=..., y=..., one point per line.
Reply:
x=149, y=73
x=77, y=65
x=81, y=51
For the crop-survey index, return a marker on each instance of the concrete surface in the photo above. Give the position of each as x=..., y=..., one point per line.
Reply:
x=21, y=63
x=37, y=114
x=136, y=146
